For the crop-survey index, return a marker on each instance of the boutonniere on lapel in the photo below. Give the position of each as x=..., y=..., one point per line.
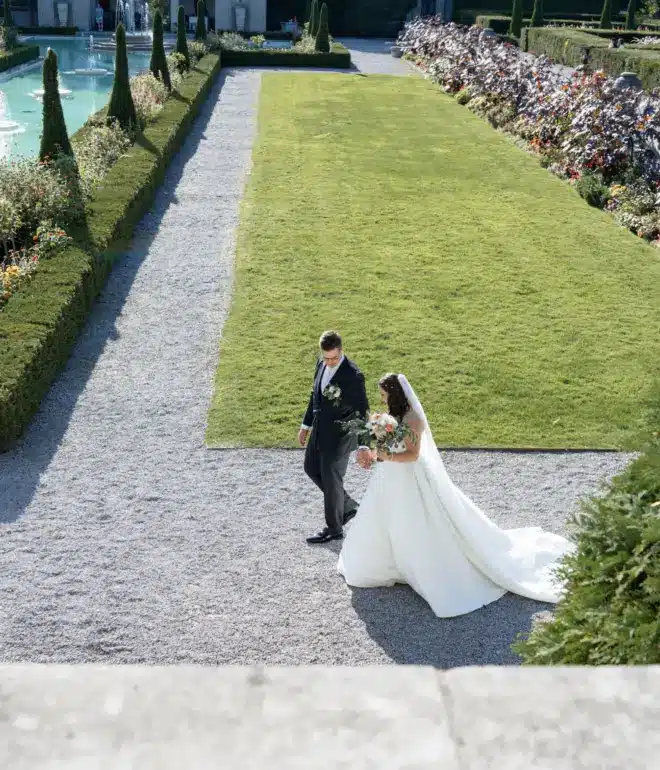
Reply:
x=333, y=394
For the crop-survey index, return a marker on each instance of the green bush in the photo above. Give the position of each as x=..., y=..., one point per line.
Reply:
x=322, y=44
x=19, y=55
x=537, y=14
x=158, y=63
x=39, y=325
x=68, y=31
x=121, y=107
x=314, y=19
x=516, y=18
x=630, y=15
x=54, y=137
x=181, y=46
x=593, y=190
x=338, y=58
x=200, y=29
x=8, y=20
x=606, y=15
x=610, y=614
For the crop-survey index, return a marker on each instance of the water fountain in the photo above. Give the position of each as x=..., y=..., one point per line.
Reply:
x=138, y=37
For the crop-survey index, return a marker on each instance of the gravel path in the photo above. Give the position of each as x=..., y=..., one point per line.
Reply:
x=122, y=539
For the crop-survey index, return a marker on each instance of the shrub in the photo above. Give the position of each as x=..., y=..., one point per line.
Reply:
x=121, y=107
x=463, y=96
x=593, y=190
x=610, y=614
x=630, y=14
x=322, y=44
x=197, y=50
x=537, y=14
x=606, y=15
x=149, y=95
x=232, y=41
x=158, y=63
x=314, y=19
x=54, y=138
x=97, y=149
x=181, y=40
x=8, y=20
x=516, y=18
x=177, y=65
x=200, y=29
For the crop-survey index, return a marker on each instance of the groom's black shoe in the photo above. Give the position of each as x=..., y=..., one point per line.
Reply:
x=348, y=516
x=325, y=536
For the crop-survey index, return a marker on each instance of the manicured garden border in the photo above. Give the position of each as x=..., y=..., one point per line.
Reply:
x=338, y=58
x=70, y=31
x=40, y=324
x=569, y=45
x=20, y=55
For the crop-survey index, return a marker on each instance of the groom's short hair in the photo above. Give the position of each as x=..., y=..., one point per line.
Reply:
x=330, y=341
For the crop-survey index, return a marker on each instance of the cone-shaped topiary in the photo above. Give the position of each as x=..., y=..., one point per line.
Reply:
x=322, y=44
x=314, y=19
x=8, y=20
x=200, y=29
x=121, y=106
x=54, y=139
x=158, y=63
x=181, y=40
x=606, y=15
x=515, y=27
x=537, y=14
x=630, y=15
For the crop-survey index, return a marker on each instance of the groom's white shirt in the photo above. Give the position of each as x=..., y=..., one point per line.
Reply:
x=328, y=373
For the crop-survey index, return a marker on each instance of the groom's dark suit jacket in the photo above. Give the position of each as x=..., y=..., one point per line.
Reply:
x=324, y=416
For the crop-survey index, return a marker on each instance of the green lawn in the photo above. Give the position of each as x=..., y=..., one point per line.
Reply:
x=380, y=207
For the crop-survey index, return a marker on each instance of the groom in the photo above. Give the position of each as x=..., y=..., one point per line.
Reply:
x=338, y=394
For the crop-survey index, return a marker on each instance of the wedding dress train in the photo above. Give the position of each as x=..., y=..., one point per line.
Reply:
x=415, y=526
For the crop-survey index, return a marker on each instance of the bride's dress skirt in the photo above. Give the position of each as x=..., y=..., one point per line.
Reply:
x=415, y=526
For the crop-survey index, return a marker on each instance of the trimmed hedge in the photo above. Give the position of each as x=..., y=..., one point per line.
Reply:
x=22, y=54
x=567, y=46
x=40, y=323
x=48, y=30
x=338, y=58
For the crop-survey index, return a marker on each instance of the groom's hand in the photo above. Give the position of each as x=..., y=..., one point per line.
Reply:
x=302, y=436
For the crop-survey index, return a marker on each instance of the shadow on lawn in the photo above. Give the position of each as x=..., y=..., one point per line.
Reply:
x=22, y=466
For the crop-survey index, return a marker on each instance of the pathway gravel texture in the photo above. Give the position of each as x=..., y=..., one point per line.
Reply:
x=124, y=540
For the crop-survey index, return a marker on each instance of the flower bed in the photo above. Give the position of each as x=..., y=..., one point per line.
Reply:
x=238, y=51
x=40, y=323
x=603, y=140
x=22, y=54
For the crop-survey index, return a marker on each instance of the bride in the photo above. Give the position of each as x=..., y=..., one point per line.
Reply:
x=415, y=526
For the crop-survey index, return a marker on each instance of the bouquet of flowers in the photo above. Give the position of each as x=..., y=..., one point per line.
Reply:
x=380, y=429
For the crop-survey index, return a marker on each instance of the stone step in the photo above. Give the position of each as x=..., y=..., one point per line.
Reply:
x=327, y=718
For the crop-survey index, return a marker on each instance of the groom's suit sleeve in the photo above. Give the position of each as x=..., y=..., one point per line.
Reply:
x=309, y=414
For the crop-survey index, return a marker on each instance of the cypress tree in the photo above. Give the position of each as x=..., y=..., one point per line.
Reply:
x=158, y=63
x=322, y=44
x=181, y=40
x=54, y=139
x=630, y=15
x=314, y=19
x=537, y=14
x=8, y=20
x=200, y=29
x=121, y=105
x=515, y=27
x=606, y=15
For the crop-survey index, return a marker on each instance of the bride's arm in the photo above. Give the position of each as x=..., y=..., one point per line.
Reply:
x=412, y=442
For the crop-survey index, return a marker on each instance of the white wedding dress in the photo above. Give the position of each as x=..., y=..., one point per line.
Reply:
x=415, y=526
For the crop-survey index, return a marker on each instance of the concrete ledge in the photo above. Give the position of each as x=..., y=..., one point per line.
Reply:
x=187, y=718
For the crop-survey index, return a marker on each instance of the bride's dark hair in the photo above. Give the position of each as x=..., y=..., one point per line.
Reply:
x=397, y=403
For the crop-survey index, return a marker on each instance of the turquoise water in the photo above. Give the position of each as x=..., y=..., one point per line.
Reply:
x=88, y=93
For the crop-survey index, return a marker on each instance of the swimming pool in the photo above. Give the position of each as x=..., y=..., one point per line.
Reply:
x=87, y=93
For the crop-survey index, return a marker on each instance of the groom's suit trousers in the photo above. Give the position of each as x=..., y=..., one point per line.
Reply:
x=327, y=470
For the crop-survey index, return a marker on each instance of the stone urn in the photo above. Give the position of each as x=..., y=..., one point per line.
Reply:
x=396, y=51
x=63, y=13
x=240, y=12
x=628, y=80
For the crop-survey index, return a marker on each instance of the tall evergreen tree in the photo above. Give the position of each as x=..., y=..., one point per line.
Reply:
x=158, y=63
x=537, y=14
x=200, y=29
x=121, y=106
x=181, y=40
x=515, y=27
x=54, y=139
x=606, y=15
x=630, y=15
x=8, y=20
x=314, y=19
x=322, y=44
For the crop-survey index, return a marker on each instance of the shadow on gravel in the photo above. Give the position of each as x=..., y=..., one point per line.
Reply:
x=21, y=467
x=406, y=629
